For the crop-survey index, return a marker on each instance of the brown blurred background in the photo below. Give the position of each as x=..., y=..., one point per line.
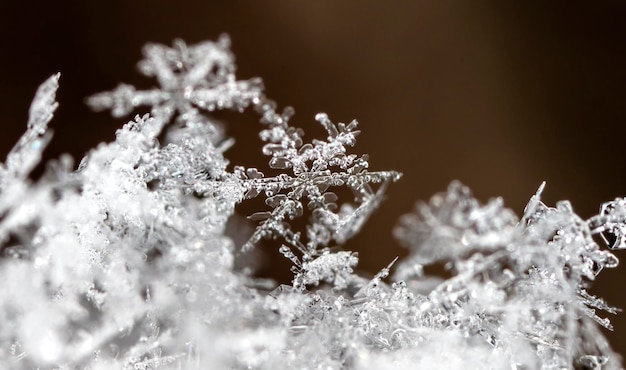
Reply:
x=500, y=95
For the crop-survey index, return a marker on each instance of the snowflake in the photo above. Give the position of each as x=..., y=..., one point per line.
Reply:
x=191, y=78
x=201, y=77
x=525, y=278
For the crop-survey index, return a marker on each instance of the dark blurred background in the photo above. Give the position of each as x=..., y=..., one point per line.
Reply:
x=500, y=95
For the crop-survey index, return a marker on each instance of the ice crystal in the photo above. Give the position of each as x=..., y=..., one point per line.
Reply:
x=124, y=261
x=27, y=152
x=516, y=284
x=201, y=77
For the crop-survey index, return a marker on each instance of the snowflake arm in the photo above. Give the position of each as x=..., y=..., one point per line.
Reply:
x=27, y=152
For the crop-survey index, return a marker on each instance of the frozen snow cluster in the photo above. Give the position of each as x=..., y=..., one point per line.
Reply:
x=123, y=263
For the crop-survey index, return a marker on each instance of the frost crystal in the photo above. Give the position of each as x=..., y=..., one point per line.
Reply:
x=124, y=262
x=191, y=78
x=27, y=152
x=519, y=285
x=201, y=77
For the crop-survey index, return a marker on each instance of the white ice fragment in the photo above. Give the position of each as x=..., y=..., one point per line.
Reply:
x=27, y=152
